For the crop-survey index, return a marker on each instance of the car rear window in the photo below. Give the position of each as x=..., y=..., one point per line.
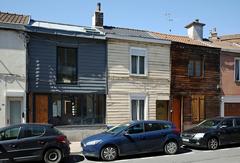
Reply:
x=156, y=126
x=32, y=131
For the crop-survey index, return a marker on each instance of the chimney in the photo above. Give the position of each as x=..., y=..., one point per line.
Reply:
x=195, y=30
x=213, y=34
x=97, y=19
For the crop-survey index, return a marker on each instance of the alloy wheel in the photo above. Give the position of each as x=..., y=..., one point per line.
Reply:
x=212, y=143
x=171, y=148
x=109, y=153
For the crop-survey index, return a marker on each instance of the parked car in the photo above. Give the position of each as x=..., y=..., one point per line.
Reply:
x=213, y=132
x=133, y=138
x=33, y=142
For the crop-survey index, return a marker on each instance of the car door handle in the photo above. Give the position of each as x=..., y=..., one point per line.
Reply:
x=13, y=145
x=41, y=142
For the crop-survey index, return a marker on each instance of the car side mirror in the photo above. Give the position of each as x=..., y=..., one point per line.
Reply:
x=126, y=133
x=223, y=126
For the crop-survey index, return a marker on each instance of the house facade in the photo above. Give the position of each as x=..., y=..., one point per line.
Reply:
x=13, y=53
x=138, y=75
x=67, y=74
x=195, y=78
x=230, y=72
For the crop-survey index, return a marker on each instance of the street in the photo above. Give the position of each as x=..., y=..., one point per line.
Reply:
x=227, y=154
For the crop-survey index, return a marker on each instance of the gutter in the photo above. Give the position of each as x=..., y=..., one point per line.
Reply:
x=12, y=26
x=141, y=39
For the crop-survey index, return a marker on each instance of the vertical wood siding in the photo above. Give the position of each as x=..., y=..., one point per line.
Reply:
x=156, y=85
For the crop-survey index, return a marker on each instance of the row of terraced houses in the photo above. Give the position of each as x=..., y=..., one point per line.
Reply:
x=103, y=75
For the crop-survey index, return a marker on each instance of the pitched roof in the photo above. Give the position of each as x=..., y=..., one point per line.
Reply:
x=14, y=18
x=225, y=46
x=181, y=39
x=229, y=37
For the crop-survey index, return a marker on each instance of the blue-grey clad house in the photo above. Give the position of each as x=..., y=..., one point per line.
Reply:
x=66, y=74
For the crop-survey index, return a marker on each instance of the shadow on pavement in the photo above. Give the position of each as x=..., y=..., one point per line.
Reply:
x=145, y=155
x=221, y=147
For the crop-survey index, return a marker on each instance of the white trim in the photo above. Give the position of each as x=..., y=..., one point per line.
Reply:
x=15, y=93
x=145, y=55
x=139, y=96
x=236, y=58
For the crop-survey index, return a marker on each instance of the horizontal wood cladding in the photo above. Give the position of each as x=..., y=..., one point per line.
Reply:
x=182, y=83
x=91, y=64
x=121, y=85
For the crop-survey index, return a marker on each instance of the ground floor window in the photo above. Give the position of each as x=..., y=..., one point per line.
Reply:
x=81, y=109
x=138, y=107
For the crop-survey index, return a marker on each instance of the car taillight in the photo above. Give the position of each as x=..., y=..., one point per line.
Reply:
x=176, y=131
x=63, y=139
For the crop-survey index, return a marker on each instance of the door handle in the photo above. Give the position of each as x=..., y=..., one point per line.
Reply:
x=13, y=145
x=41, y=142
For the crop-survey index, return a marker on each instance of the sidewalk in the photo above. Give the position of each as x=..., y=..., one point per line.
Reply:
x=75, y=147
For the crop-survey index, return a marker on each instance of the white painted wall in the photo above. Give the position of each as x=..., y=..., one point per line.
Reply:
x=122, y=85
x=12, y=71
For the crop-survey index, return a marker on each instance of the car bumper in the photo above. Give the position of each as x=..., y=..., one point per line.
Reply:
x=90, y=151
x=194, y=142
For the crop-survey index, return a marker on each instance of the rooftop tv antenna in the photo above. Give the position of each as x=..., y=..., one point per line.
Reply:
x=169, y=19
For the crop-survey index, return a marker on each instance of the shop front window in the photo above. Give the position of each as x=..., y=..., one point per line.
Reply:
x=78, y=109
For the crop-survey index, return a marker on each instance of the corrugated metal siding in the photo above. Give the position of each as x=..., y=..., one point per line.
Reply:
x=42, y=64
x=156, y=86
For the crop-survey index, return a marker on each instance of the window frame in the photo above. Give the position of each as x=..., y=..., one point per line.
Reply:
x=138, y=55
x=236, y=59
x=4, y=131
x=202, y=68
x=57, y=64
x=139, y=97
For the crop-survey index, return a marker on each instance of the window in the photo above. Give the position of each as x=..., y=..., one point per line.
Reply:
x=136, y=129
x=137, y=107
x=237, y=122
x=227, y=123
x=56, y=106
x=32, y=131
x=195, y=68
x=138, y=61
x=198, y=110
x=237, y=69
x=66, y=65
x=10, y=134
x=153, y=127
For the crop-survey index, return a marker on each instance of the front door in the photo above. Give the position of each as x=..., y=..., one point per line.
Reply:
x=176, y=112
x=161, y=110
x=15, y=109
x=41, y=106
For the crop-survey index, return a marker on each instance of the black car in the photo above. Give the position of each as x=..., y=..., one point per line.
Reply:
x=212, y=133
x=33, y=142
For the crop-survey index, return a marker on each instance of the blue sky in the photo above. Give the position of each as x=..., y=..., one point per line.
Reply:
x=154, y=15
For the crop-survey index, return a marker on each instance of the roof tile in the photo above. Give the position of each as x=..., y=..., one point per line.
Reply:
x=14, y=18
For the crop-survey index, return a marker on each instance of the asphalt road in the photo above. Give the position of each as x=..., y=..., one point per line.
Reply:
x=228, y=154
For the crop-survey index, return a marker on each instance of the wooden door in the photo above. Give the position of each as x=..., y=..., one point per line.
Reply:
x=41, y=106
x=161, y=110
x=232, y=109
x=176, y=112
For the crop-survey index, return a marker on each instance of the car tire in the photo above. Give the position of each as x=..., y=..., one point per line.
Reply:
x=171, y=147
x=109, y=153
x=212, y=144
x=52, y=155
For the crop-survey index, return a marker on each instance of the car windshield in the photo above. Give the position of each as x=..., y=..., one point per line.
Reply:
x=210, y=123
x=118, y=128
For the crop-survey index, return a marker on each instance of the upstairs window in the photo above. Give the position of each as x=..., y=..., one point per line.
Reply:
x=138, y=62
x=66, y=65
x=237, y=69
x=195, y=68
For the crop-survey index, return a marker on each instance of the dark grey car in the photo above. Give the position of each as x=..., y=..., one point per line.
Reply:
x=214, y=132
x=32, y=142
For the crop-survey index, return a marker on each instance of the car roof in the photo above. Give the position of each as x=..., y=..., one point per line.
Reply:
x=27, y=124
x=151, y=121
x=222, y=118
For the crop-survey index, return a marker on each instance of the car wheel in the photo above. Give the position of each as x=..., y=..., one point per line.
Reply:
x=171, y=148
x=52, y=155
x=212, y=144
x=109, y=153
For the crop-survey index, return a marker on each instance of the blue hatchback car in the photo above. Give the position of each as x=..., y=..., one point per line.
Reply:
x=133, y=138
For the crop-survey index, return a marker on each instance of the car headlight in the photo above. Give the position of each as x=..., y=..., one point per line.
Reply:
x=94, y=142
x=199, y=136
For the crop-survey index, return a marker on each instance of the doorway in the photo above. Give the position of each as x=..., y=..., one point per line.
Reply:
x=161, y=110
x=15, y=107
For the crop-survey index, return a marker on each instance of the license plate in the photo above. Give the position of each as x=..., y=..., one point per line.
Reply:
x=186, y=140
